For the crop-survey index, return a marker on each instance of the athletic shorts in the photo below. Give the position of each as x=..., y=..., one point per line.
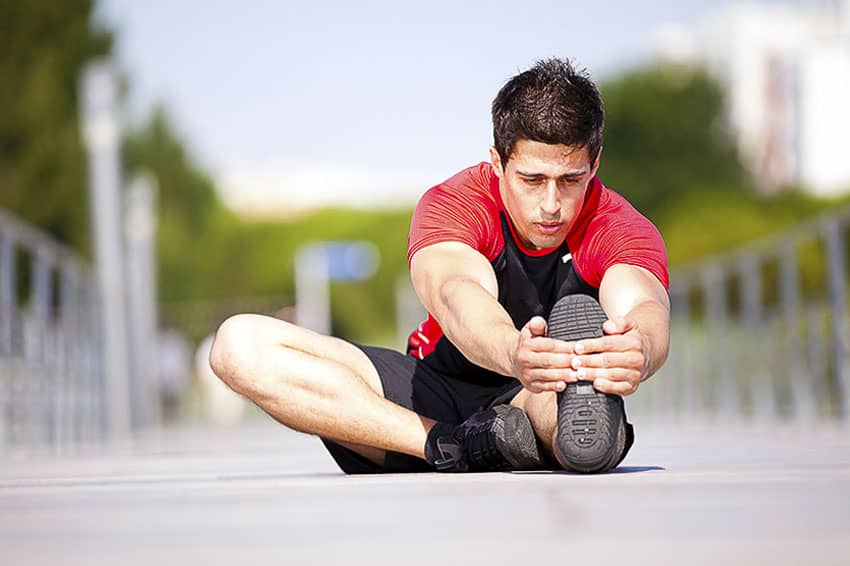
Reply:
x=411, y=383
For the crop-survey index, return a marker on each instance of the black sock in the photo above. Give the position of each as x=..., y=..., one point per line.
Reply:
x=432, y=453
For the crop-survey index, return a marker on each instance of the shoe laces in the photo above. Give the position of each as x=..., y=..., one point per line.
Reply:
x=480, y=449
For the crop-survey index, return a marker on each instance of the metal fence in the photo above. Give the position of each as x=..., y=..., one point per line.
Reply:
x=761, y=332
x=51, y=382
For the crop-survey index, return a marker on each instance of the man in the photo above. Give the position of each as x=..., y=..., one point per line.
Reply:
x=494, y=252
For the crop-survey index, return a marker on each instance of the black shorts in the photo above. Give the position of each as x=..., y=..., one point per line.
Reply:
x=411, y=383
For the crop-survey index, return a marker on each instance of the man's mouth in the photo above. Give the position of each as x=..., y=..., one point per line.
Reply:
x=549, y=227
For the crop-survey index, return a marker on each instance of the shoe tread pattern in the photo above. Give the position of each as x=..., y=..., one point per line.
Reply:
x=588, y=420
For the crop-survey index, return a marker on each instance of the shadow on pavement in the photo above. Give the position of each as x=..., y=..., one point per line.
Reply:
x=635, y=469
x=620, y=470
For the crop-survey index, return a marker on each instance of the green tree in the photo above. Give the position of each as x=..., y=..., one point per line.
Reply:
x=193, y=225
x=42, y=164
x=665, y=138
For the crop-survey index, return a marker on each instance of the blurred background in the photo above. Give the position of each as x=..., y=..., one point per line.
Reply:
x=166, y=164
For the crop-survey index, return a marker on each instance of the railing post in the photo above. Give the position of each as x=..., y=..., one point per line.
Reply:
x=7, y=291
x=816, y=354
x=99, y=391
x=723, y=385
x=140, y=262
x=39, y=388
x=752, y=314
x=838, y=306
x=7, y=312
x=101, y=132
x=71, y=328
x=680, y=348
x=802, y=402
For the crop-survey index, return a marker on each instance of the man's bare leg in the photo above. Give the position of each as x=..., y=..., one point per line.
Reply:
x=542, y=411
x=315, y=384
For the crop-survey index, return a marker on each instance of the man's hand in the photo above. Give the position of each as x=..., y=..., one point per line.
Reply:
x=615, y=363
x=541, y=363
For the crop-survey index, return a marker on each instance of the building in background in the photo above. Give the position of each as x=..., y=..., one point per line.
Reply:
x=786, y=69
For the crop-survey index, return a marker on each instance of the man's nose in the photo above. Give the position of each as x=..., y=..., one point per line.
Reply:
x=551, y=203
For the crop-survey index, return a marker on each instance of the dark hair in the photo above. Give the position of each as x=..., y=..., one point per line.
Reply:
x=550, y=103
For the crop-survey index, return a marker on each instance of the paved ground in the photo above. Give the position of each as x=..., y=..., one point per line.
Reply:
x=687, y=494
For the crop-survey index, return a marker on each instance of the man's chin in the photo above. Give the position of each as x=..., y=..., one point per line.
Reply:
x=543, y=242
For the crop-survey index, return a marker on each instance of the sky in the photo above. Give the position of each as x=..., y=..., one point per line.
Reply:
x=328, y=102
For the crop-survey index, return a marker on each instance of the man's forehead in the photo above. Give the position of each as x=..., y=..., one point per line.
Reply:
x=537, y=155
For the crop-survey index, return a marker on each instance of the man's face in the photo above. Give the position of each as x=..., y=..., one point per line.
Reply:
x=543, y=188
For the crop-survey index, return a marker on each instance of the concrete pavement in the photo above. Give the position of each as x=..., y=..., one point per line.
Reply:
x=689, y=493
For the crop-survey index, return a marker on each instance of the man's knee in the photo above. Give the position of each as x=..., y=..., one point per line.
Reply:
x=235, y=351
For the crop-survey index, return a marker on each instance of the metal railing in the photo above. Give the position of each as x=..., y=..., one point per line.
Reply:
x=51, y=382
x=761, y=332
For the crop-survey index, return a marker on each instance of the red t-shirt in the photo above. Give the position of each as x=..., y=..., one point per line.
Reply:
x=607, y=231
x=466, y=207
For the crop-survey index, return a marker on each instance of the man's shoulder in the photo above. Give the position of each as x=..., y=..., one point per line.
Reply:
x=463, y=209
x=612, y=202
x=612, y=207
x=471, y=185
x=616, y=232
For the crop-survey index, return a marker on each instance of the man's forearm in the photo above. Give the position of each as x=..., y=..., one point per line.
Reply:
x=653, y=321
x=478, y=325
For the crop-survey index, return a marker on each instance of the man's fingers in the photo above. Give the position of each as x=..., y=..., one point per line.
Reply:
x=630, y=377
x=617, y=325
x=613, y=326
x=536, y=326
x=615, y=343
x=530, y=359
x=555, y=374
x=629, y=359
x=543, y=386
x=542, y=344
x=614, y=387
x=549, y=360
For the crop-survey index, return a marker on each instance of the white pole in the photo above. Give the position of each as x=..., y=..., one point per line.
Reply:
x=140, y=232
x=312, y=289
x=101, y=133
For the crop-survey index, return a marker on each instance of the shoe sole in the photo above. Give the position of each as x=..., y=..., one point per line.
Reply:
x=589, y=421
x=515, y=438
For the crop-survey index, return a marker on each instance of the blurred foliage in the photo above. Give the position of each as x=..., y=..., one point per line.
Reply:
x=42, y=164
x=668, y=151
x=664, y=137
x=665, y=149
x=206, y=253
x=193, y=225
x=705, y=223
x=261, y=256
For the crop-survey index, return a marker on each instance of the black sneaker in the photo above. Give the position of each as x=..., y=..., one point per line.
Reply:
x=593, y=435
x=497, y=439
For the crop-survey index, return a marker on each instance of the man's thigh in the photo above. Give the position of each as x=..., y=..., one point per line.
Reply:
x=336, y=350
x=407, y=382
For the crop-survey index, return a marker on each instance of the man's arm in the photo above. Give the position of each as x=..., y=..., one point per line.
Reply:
x=458, y=286
x=637, y=332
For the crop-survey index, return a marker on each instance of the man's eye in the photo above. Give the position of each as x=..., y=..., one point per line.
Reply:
x=532, y=181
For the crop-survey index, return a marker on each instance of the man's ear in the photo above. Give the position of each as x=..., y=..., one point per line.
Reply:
x=595, y=166
x=496, y=160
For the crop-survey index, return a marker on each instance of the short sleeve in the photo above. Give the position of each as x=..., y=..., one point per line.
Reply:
x=620, y=234
x=458, y=210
